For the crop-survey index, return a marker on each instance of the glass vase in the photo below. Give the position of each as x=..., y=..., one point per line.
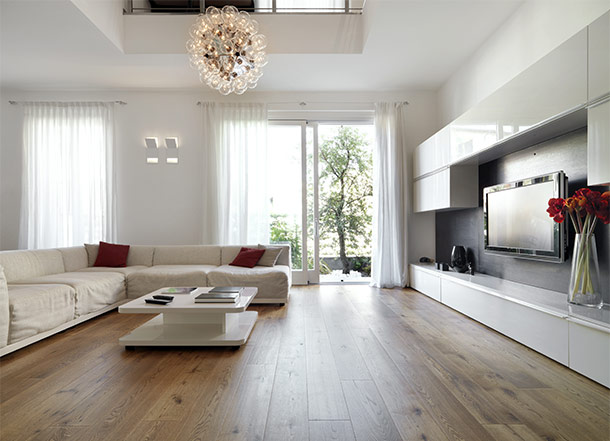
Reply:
x=585, y=287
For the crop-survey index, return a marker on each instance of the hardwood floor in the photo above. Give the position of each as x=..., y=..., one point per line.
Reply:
x=345, y=363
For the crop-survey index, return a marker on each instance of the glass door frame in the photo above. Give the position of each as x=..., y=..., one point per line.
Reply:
x=306, y=275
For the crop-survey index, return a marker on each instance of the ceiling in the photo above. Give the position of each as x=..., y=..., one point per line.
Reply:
x=408, y=44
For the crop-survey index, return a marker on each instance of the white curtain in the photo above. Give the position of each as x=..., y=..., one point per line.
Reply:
x=68, y=176
x=236, y=198
x=390, y=259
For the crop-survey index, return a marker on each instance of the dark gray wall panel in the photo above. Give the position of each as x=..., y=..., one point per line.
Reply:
x=465, y=227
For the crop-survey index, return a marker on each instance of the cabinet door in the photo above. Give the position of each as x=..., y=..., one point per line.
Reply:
x=432, y=192
x=426, y=283
x=598, y=144
x=555, y=84
x=599, y=57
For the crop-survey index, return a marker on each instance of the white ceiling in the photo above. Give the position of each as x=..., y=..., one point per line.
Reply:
x=410, y=44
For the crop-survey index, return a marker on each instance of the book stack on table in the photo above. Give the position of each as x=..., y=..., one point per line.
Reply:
x=220, y=294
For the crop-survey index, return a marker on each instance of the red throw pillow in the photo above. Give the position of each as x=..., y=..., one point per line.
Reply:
x=112, y=255
x=248, y=257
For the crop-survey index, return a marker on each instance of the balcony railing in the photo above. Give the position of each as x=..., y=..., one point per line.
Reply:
x=250, y=6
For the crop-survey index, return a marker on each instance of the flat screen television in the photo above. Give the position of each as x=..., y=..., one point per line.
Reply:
x=516, y=222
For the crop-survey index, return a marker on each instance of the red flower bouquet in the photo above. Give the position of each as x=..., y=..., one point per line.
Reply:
x=584, y=209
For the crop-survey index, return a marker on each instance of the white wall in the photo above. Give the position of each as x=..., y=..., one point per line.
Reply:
x=531, y=32
x=161, y=204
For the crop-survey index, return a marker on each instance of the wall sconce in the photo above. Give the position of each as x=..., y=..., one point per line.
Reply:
x=152, y=151
x=172, y=150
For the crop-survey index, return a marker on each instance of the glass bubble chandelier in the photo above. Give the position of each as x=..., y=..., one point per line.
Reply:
x=227, y=50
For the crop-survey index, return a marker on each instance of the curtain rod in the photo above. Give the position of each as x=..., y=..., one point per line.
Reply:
x=122, y=103
x=303, y=103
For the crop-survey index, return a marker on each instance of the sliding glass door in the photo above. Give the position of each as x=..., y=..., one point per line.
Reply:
x=321, y=198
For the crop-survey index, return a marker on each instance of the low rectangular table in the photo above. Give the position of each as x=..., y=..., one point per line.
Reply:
x=186, y=323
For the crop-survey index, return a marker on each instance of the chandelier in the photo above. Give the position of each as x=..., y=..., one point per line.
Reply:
x=227, y=50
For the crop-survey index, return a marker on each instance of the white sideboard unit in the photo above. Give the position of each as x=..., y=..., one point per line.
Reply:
x=575, y=336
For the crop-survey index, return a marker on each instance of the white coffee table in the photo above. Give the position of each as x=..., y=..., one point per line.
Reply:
x=186, y=323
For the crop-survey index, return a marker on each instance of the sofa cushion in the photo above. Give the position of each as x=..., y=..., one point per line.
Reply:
x=106, y=269
x=4, y=310
x=138, y=254
x=111, y=255
x=19, y=265
x=38, y=308
x=270, y=256
x=272, y=282
x=187, y=255
x=94, y=290
x=75, y=258
x=229, y=252
x=163, y=276
x=248, y=257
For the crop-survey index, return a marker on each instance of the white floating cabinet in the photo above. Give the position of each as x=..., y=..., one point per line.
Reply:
x=599, y=57
x=598, y=144
x=544, y=332
x=426, y=283
x=575, y=336
x=452, y=188
x=433, y=154
x=590, y=350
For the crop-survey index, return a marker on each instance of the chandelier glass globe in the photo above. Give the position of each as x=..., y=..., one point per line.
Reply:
x=227, y=49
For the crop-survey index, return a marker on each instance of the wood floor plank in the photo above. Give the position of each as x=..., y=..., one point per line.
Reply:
x=370, y=417
x=331, y=431
x=217, y=392
x=324, y=392
x=511, y=432
x=246, y=418
x=288, y=412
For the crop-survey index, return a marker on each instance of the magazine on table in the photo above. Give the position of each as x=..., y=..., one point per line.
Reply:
x=221, y=294
x=179, y=290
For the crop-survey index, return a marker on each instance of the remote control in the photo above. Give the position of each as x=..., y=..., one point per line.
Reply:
x=161, y=297
x=156, y=301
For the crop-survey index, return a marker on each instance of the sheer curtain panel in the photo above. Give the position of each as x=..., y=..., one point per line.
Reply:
x=390, y=259
x=236, y=199
x=67, y=179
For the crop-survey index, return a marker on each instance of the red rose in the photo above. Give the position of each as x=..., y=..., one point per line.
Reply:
x=602, y=208
x=556, y=209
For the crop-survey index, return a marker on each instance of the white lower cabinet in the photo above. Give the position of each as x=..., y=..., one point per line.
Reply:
x=426, y=283
x=590, y=351
x=577, y=339
x=544, y=332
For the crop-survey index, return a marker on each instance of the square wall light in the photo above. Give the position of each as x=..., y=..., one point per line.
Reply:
x=152, y=150
x=172, y=150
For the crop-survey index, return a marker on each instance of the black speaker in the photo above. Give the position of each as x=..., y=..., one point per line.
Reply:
x=459, y=262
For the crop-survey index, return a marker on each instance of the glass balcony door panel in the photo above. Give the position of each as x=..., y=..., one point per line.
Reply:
x=345, y=159
x=286, y=156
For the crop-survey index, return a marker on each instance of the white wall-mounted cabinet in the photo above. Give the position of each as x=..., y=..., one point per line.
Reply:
x=433, y=154
x=451, y=188
x=598, y=144
x=599, y=57
x=553, y=86
x=598, y=113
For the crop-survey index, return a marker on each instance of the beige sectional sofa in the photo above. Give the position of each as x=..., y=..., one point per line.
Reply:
x=43, y=292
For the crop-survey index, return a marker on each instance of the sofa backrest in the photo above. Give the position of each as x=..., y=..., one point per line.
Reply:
x=19, y=265
x=75, y=258
x=138, y=254
x=229, y=252
x=187, y=255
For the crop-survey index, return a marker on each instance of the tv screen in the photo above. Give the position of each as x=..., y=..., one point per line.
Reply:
x=516, y=221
